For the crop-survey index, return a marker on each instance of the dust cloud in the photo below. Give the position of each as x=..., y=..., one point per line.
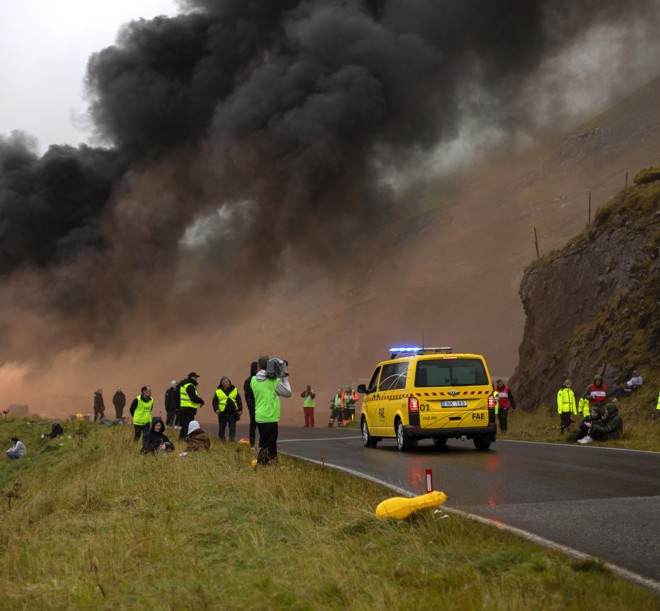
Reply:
x=240, y=198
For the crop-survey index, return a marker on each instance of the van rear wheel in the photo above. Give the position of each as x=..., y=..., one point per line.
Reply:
x=402, y=441
x=481, y=444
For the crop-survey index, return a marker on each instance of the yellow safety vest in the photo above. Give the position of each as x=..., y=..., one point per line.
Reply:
x=583, y=407
x=222, y=398
x=566, y=401
x=142, y=414
x=185, y=398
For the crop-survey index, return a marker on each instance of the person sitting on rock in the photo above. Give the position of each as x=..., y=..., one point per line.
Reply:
x=631, y=385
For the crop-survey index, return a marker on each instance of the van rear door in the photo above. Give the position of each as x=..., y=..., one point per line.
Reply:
x=452, y=391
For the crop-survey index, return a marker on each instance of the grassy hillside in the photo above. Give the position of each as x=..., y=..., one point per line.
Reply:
x=87, y=521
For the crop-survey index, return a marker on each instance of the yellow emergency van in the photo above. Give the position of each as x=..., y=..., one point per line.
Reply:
x=421, y=393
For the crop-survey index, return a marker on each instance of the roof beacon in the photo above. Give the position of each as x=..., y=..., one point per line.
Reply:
x=415, y=350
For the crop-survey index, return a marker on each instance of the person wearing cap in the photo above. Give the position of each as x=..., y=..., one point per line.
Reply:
x=171, y=403
x=336, y=409
x=17, y=450
x=189, y=402
x=141, y=411
x=349, y=399
x=119, y=401
x=504, y=401
x=566, y=405
x=597, y=392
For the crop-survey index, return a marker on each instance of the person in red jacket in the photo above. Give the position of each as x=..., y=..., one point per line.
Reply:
x=597, y=393
x=505, y=401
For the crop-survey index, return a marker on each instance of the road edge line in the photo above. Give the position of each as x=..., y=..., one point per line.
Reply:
x=635, y=578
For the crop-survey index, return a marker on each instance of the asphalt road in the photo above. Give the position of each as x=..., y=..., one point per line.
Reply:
x=599, y=501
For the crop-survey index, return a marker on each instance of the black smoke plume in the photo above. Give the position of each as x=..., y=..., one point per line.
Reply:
x=254, y=130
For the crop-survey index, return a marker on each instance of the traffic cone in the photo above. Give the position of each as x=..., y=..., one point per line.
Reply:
x=399, y=507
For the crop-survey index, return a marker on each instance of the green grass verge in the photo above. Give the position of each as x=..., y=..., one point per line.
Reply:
x=97, y=525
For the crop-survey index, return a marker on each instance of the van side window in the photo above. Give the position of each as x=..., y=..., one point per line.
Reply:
x=374, y=381
x=394, y=376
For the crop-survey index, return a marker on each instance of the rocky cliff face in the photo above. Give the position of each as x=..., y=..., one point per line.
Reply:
x=593, y=306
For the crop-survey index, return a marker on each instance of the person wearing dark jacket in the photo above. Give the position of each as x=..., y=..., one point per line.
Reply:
x=583, y=430
x=189, y=402
x=119, y=401
x=155, y=441
x=609, y=427
x=228, y=406
x=99, y=406
x=171, y=403
x=249, y=400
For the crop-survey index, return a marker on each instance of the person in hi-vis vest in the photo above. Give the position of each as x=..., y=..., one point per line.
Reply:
x=141, y=411
x=566, y=405
x=309, y=402
x=228, y=406
x=189, y=402
x=504, y=401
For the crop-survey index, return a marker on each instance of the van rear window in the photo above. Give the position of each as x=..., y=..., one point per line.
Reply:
x=450, y=372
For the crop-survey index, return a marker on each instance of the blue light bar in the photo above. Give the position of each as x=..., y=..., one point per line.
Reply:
x=406, y=349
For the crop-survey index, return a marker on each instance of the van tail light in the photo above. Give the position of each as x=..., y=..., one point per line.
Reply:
x=491, y=402
x=413, y=405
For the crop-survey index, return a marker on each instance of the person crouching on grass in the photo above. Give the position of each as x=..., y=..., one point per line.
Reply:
x=155, y=441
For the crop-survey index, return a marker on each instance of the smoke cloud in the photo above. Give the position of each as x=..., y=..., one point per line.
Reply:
x=239, y=136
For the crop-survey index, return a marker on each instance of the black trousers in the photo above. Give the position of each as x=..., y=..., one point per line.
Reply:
x=267, y=442
x=502, y=416
x=253, y=426
x=187, y=415
x=169, y=419
x=227, y=418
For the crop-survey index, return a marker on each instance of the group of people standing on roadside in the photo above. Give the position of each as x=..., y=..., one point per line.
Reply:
x=262, y=393
x=342, y=406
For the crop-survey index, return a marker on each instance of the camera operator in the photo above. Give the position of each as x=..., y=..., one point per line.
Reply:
x=268, y=385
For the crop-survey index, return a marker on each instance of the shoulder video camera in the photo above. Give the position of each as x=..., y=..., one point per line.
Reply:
x=276, y=368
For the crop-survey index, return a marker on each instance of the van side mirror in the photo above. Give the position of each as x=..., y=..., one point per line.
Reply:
x=362, y=389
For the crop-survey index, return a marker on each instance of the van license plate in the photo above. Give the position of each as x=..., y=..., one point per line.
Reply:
x=453, y=403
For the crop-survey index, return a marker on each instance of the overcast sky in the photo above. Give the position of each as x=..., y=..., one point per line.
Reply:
x=44, y=48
